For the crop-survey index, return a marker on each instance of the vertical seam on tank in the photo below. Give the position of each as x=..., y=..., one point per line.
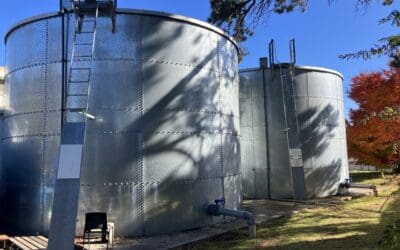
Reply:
x=2, y=180
x=252, y=137
x=43, y=167
x=266, y=125
x=343, y=125
x=308, y=123
x=339, y=89
x=141, y=198
x=220, y=120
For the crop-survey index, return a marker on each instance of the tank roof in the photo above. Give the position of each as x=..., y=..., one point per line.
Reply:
x=298, y=67
x=175, y=17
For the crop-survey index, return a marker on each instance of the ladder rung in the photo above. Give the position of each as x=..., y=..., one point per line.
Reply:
x=83, y=52
x=76, y=82
x=80, y=81
x=81, y=68
x=86, y=81
x=77, y=95
x=75, y=109
x=82, y=56
x=85, y=33
x=88, y=34
x=80, y=60
x=81, y=64
x=83, y=44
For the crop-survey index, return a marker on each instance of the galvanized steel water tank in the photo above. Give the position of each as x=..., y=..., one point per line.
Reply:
x=320, y=115
x=165, y=142
x=2, y=74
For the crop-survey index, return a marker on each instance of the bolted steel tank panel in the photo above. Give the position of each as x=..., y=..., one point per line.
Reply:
x=319, y=110
x=253, y=138
x=165, y=142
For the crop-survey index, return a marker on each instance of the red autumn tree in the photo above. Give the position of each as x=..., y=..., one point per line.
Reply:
x=373, y=132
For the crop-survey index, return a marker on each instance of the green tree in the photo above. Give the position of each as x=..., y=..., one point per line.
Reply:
x=239, y=17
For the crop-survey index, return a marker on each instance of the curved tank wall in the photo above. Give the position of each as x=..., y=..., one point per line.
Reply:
x=320, y=114
x=2, y=74
x=165, y=142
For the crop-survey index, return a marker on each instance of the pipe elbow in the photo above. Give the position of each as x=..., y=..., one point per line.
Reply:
x=213, y=209
x=249, y=217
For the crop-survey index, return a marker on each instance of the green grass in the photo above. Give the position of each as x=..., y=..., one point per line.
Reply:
x=356, y=224
x=370, y=177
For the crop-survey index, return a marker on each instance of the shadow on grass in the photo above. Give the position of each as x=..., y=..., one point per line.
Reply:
x=324, y=228
x=364, y=176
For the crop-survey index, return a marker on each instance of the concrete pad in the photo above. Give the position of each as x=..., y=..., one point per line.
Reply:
x=263, y=210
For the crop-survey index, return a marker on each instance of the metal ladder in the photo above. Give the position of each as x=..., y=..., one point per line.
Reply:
x=74, y=118
x=78, y=85
x=291, y=129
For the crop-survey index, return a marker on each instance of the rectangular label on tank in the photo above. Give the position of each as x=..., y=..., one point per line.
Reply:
x=296, y=158
x=69, y=165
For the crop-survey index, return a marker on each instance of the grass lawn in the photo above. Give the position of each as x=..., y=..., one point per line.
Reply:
x=355, y=224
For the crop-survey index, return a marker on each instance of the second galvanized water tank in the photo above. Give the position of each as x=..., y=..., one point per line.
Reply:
x=320, y=114
x=164, y=145
x=2, y=75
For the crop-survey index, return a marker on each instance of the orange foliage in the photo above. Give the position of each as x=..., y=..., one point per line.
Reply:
x=374, y=139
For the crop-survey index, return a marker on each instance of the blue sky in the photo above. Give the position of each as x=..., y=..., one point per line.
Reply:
x=322, y=32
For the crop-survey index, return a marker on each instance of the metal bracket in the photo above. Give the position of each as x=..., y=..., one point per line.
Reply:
x=292, y=47
x=81, y=7
x=271, y=50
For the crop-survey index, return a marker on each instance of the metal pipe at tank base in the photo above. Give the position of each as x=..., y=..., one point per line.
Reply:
x=305, y=202
x=218, y=209
x=349, y=184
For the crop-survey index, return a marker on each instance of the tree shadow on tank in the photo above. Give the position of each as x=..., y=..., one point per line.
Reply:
x=323, y=165
x=323, y=180
x=318, y=129
x=186, y=146
x=191, y=153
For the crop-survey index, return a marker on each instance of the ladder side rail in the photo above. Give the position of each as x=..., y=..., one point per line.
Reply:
x=286, y=129
x=91, y=62
x=292, y=71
